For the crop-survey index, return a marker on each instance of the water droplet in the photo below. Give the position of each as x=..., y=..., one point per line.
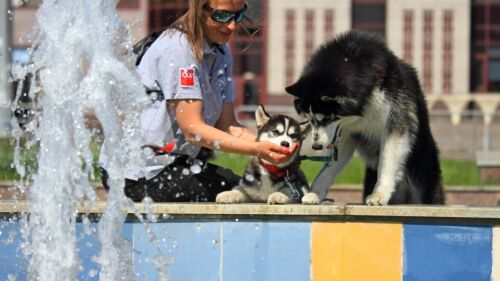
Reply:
x=217, y=144
x=223, y=183
x=147, y=200
x=249, y=177
x=197, y=138
x=185, y=171
x=152, y=217
x=148, y=153
x=195, y=169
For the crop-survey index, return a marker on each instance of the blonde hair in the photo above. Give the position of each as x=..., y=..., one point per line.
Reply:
x=191, y=23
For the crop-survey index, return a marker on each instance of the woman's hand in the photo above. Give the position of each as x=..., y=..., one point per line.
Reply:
x=275, y=154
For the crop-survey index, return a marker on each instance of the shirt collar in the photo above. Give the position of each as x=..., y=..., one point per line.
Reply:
x=212, y=48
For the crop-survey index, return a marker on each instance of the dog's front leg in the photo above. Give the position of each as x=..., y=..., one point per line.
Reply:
x=236, y=195
x=329, y=172
x=393, y=155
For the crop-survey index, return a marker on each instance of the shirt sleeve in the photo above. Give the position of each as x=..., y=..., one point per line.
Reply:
x=178, y=71
x=229, y=90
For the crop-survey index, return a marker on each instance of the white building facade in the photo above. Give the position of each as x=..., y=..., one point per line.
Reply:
x=433, y=36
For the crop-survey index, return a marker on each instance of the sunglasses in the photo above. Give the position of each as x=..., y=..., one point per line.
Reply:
x=222, y=16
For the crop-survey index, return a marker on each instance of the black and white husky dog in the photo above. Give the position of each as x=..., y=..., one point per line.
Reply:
x=263, y=182
x=360, y=97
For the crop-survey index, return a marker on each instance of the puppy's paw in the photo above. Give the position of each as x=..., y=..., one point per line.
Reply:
x=377, y=199
x=230, y=197
x=278, y=198
x=311, y=198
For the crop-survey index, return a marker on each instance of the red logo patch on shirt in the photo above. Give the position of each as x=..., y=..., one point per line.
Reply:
x=186, y=77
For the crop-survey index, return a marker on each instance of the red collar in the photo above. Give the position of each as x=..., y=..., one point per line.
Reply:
x=280, y=172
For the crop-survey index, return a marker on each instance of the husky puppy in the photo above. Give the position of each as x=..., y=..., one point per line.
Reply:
x=263, y=182
x=360, y=97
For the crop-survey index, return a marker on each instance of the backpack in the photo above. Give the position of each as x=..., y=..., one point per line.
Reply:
x=140, y=49
x=143, y=45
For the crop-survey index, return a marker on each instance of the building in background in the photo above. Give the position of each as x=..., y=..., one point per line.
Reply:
x=453, y=44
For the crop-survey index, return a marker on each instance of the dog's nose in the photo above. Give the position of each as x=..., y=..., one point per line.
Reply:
x=285, y=144
x=317, y=146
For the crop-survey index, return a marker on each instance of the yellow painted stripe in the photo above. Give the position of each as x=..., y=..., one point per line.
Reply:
x=356, y=251
x=495, y=271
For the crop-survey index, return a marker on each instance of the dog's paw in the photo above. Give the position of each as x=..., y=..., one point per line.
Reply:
x=229, y=197
x=311, y=198
x=278, y=198
x=377, y=199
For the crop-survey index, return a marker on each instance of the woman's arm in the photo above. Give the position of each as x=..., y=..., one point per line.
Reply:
x=189, y=117
x=227, y=122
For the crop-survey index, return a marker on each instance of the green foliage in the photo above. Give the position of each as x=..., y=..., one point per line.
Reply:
x=455, y=172
x=461, y=172
x=7, y=172
x=353, y=174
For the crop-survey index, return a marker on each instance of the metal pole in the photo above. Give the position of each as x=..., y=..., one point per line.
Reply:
x=5, y=61
x=487, y=137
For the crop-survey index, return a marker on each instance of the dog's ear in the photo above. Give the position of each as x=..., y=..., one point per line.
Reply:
x=293, y=89
x=261, y=116
x=305, y=128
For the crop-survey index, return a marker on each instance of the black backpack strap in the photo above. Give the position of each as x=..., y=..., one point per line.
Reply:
x=140, y=49
x=143, y=45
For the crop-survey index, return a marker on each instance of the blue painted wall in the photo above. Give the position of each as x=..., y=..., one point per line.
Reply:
x=439, y=252
x=263, y=250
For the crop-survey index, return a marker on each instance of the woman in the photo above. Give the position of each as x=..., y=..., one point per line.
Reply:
x=190, y=64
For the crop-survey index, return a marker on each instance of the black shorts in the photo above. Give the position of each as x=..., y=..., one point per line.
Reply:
x=178, y=183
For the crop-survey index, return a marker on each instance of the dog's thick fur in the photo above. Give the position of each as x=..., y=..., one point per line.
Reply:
x=263, y=182
x=357, y=83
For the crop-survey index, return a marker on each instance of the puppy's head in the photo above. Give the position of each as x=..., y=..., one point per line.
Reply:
x=338, y=81
x=281, y=130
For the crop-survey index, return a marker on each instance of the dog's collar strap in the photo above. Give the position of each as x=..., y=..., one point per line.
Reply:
x=316, y=158
x=280, y=172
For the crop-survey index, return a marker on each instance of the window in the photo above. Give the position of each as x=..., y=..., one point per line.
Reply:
x=447, y=50
x=329, y=24
x=408, y=36
x=309, y=32
x=485, y=43
x=369, y=15
x=427, y=56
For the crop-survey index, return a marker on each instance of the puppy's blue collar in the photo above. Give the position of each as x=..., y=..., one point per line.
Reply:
x=316, y=158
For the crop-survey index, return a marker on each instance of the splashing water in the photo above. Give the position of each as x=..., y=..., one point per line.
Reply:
x=82, y=58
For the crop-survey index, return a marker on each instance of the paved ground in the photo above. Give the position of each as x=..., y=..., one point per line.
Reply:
x=481, y=196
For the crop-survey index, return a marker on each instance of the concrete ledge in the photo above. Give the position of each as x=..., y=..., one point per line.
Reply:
x=332, y=212
x=290, y=242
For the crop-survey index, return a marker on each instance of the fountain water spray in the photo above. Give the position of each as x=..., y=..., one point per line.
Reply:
x=82, y=58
